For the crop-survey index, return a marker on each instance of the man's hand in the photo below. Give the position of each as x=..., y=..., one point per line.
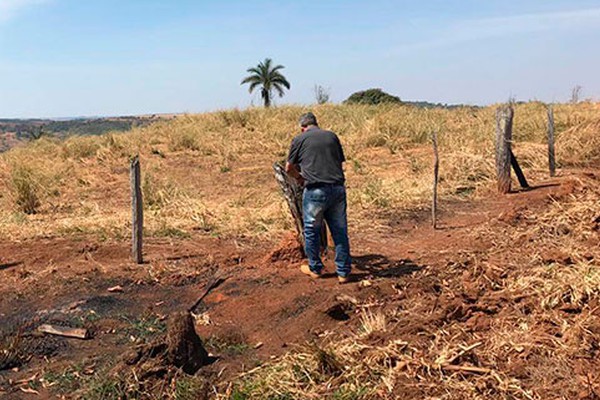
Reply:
x=292, y=170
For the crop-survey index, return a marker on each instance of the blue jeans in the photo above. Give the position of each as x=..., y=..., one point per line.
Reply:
x=327, y=203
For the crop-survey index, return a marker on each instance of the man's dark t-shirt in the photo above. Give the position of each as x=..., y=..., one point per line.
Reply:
x=320, y=156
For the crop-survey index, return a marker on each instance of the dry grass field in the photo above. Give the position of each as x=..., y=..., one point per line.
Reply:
x=502, y=302
x=212, y=172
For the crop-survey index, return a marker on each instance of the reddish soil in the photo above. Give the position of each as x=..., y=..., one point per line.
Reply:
x=289, y=249
x=264, y=303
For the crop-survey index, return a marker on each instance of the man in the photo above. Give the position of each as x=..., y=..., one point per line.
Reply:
x=315, y=160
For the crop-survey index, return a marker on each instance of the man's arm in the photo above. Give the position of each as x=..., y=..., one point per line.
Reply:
x=294, y=171
x=341, y=149
x=291, y=166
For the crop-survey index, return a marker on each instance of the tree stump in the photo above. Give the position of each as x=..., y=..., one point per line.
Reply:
x=184, y=347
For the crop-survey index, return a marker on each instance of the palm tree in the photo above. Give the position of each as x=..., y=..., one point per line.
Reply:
x=268, y=78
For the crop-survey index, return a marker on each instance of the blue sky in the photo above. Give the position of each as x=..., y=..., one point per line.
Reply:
x=117, y=57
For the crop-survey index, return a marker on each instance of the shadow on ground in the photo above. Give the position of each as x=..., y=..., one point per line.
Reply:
x=534, y=187
x=382, y=267
x=10, y=265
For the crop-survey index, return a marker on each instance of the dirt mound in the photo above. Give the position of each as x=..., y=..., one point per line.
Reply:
x=288, y=250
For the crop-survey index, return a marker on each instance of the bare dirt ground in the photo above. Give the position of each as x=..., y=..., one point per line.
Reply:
x=264, y=307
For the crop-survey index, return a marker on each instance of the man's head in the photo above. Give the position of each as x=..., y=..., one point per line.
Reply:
x=307, y=120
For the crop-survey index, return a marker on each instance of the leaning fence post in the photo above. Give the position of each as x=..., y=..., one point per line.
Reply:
x=504, y=121
x=436, y=170
x=518, y=171
x=551, y=157
x=137, y=212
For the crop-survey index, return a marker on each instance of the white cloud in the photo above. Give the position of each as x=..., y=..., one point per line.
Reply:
x=485, y=28
x=10, y=8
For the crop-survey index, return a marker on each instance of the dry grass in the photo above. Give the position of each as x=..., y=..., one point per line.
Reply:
x=212, y=172
x=580, y=143
x=11, y=353
x=344, y=370
x=526, y=326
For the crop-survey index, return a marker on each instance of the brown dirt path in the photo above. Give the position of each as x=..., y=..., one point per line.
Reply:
x=262, y=308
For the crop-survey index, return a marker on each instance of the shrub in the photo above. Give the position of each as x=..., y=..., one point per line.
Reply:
x=158, y=193
x=372, y=97
x=79, y=147
x=184, y=140
x=321, y=94
x=26, y=189
x=234, y=118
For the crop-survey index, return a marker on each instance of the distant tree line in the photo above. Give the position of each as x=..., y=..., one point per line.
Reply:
x=372, y=97
x=35, y=128
x=377, y=96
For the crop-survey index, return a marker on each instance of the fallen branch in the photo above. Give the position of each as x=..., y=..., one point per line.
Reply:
x=461, y=353
x=468, y=369
x=77, y=333
x=29, y=391
x=215, y=281
x=448, y=365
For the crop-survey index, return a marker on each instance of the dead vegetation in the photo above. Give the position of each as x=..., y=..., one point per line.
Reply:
x=212, y=172
x=580, y=143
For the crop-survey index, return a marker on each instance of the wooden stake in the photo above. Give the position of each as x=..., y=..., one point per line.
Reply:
x=504, y=121
x=64, y=331
x=518, y=171
x=137, y=210
x=215, y=281
x=551, y=157
x=436, y=170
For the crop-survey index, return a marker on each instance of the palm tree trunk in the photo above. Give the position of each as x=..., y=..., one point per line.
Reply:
x=266, y=97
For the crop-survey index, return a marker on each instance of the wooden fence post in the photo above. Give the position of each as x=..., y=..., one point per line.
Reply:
x=551, y=157
x=293, y=196
x=137, y=210
x=436, y=170
x=504, y=121
x=292, y=192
